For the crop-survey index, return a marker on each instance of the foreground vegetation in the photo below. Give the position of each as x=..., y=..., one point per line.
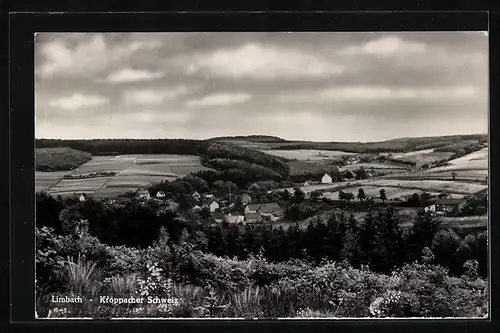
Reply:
x=341, y=267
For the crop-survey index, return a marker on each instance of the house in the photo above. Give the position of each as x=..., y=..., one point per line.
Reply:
x=253, y=217
x=307, y=183
x=326, y=179
x=271, y=208
x=208, y=197
x=82, y=197
x=235, y=218
x=144, y=194
x=271, y=211
x=160, y=194
x=196, y=208
x=431, y=209
x=214, y=206
x=444, y=206
x=196, y=195
x=245, y=199
x=252, y=208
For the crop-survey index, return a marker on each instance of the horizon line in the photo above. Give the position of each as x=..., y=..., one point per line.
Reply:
x=264, y=135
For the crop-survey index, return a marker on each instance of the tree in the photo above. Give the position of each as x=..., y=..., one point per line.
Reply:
x=423, y=231
x=383, y=195
x=285, y=195
x=361, y=195
x=349, y=196
x=361, y=173
x=342, y=196
x=315, y=195
x=299, y=195
x=425, y=197
x=454, y=175
x=349, y=174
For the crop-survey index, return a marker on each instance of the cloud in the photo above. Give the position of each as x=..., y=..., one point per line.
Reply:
x=386, y=46
x=78, y=101
x=90, y=54
x=128, y=75
x=258, y=61
x=152, y=97
x=360, y=93
x=222, y=99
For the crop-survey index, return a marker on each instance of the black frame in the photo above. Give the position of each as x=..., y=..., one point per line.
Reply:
x=21, y=57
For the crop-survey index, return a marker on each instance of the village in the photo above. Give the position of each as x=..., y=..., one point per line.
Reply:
x=250, y=208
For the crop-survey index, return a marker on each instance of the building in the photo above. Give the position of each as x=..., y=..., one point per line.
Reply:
x=252, y=217
x=307, y=183
x=326, y=179
x=272, y=211
x=444, y=206
x=214, y=206
x=208, y=197
x=196, y=208
x=82, y=197
x=235, y=218
x=196, y=195
x=245, y=199
x=144, y=194
x=431, y=209
x=160, y=194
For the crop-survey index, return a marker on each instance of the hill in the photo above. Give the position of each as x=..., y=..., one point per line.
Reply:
x=59, y=158
x=399, y=145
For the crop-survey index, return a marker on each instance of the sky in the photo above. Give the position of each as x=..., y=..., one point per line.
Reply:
x=315, y=86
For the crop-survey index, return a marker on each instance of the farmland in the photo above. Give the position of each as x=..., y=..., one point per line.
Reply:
x=477, y=160
x=307, y=154
x=132, y=172
x=427, y=156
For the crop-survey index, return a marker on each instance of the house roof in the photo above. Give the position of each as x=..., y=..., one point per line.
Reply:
x=252, y=216
x=196, y=194
x=214, y=202
x=235, y=218
x=326, y=174
x=449, y=201
x=253, y=207
x=269, y=207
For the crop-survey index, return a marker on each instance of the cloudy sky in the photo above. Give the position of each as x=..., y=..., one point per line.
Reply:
x=303, y=86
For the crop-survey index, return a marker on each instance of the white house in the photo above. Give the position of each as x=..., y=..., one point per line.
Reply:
x=81, y=198
x=196, y=195
x=326, y=179
x=431, y=208
x=144, y=194
x=307, y=184
x=160, y=194
x=214, y=206
x=196, y=208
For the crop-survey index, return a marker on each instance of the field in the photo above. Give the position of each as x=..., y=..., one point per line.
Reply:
x=44, y=180
x=133, y=172
x=477, y=160
x=426, y=156
x=391, y=192
x=386, y=166
x=431, y=185
x=307, y=154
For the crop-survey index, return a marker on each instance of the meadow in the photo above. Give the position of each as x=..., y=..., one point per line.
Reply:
x=307, y=154
x=426, y=156
x=477, y=160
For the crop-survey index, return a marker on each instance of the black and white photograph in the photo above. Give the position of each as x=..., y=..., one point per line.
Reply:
x=254, y=175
